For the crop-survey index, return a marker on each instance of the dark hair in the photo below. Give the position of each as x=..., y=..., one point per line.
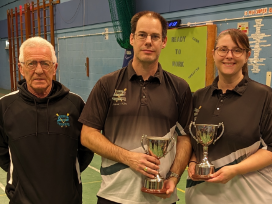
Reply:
x=238, y=37
x=137, y=16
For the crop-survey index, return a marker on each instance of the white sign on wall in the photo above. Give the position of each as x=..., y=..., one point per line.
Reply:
x=257, y=37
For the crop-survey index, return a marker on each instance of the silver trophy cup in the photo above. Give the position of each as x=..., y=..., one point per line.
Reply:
x=205, y=135
x=156, y=147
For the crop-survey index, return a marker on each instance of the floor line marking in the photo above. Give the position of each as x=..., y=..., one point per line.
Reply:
x=93, y=182
x=94, y=168
x=2, y=186
x=181, y=190
x=3, y=195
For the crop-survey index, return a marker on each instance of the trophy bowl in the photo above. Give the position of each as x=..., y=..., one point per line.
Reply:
x=156, y=147
x=205, y=135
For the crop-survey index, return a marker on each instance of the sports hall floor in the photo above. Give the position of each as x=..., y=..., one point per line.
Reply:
x=91, y=179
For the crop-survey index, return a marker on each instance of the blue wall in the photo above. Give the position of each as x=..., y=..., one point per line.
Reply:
x=4, y=66
x=76, y=13
x=166, y=6
x=107, y=56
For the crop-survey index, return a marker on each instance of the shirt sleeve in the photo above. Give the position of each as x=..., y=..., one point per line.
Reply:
x=185, y=112
x=95, y=111
x=85, y=155
x=4, y=151
x=266, y=124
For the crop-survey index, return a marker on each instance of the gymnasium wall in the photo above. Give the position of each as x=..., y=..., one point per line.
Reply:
x=107, y=56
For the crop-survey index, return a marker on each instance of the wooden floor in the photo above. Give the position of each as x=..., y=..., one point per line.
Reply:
x=91, y=179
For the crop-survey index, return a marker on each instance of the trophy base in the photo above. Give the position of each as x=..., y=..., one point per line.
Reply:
x=201, y=177
x=153, y=191
x=203, y=172
x=154, y=185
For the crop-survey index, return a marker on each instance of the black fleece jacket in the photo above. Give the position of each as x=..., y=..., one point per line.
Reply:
x=40, y=146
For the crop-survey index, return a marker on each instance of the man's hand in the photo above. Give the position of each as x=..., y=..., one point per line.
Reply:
x=98, y=143
x=143, y=163
x=169, y=185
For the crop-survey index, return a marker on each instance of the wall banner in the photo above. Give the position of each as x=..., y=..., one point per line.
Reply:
x=185, y=55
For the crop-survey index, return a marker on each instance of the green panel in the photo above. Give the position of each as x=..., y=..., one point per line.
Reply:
x=185, y=55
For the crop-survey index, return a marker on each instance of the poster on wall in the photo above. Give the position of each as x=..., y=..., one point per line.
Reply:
x=185, y=55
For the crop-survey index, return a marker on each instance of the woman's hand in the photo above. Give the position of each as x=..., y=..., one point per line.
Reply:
x=223, y=175
x=191, y=171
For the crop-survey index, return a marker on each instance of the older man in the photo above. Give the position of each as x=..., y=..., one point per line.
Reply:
x=138, y=99
x=40, y=134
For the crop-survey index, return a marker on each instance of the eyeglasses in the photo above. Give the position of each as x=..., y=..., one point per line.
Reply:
x=32, y=64
x=143, y=36
x=236, y=52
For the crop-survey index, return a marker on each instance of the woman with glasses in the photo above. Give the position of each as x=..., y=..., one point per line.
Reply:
x=242, y=157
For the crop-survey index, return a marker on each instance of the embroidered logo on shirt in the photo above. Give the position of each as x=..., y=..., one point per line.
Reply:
x=63, y=120
x=119, y=97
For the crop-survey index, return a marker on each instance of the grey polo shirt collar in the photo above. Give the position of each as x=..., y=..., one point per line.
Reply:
x=239, y=89
x=158, y=77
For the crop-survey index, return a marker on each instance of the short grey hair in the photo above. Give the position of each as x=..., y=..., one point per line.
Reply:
x=36, y=42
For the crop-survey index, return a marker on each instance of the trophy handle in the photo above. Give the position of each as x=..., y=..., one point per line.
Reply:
x=190, y=130
x=142, y=143
x=220, y=124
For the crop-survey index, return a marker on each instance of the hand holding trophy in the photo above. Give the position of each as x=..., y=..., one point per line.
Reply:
x=205, y=135
x=156, y=147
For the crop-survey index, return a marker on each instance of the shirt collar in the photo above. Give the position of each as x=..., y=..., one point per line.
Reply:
x=240, y=88
x=156, y=78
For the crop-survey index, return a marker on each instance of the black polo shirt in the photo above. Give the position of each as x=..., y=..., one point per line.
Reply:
x=124, y=106
x=246, y=112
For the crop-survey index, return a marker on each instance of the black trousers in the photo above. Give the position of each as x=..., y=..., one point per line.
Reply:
x=105, y=201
